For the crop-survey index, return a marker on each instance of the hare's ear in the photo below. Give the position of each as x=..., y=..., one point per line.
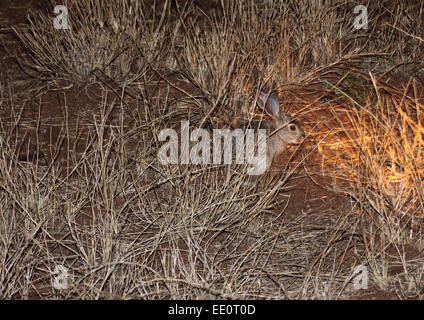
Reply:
x=269, y=104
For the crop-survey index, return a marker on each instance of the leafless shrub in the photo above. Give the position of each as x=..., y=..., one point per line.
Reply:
x=115, y=40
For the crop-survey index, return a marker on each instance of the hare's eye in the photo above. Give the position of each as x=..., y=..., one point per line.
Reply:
x=292, y=127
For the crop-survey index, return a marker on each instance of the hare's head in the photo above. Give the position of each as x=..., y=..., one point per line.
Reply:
x=283, y=125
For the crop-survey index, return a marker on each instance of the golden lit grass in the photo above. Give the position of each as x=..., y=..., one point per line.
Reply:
x=373, y=152
x=378, y=148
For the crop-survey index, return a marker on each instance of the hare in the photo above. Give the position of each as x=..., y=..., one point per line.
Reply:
x=281, y=130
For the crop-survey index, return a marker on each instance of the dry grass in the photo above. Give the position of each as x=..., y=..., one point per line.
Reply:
x=120, y=41
x=377, y=149
x=374, y=155
x=97, y=201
